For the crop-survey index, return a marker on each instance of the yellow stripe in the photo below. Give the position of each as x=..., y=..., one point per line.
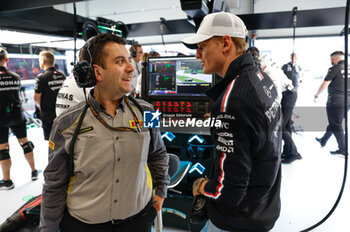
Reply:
x=70, y=184
x=76, y=120
x=149, y=179
x=85, y=130
x=137, y=108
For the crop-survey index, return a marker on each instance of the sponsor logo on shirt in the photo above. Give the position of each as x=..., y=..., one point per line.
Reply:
x=267, y=91
x=51, y=145
x=133, y=124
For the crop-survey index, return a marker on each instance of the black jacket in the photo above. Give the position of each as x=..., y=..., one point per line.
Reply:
x=10, y=104
x=244, y=193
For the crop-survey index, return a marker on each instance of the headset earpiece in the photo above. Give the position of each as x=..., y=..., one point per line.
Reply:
x=83, y=71
x=84, y=74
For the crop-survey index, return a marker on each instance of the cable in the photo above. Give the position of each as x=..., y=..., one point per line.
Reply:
x=294, y=26
x=31, y=53
x=162, y=24
x=346, y=121
x=75, y=33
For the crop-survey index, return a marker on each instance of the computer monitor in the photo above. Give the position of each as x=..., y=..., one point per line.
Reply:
x=176, y=77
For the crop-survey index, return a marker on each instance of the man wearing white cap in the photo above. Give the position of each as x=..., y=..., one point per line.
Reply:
x=244, y=191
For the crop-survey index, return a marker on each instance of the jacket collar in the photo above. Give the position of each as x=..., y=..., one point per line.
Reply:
x=3, y=69
x=243, y=63
x=99, y=107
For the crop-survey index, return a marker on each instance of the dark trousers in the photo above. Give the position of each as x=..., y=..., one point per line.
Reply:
x=141, y=222
x=47, y=125
x=288, y=101
x=335, y=114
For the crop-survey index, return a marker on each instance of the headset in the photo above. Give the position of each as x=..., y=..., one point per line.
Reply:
x=133, y=50
x=83, y=71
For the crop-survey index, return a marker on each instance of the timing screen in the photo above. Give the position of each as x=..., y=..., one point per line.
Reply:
x=180, y=76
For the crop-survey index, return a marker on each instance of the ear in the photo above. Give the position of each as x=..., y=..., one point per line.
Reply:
x=98, y=72
x=7, y=60
x=228, y=43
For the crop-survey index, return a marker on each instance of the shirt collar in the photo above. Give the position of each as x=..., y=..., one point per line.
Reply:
x=50, y=69
x=242, y=63
x=99, y=107
x=341, y=62
x=2, y=68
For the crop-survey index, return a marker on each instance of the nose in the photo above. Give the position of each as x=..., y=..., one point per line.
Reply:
x=129, y=67
x=198, y=54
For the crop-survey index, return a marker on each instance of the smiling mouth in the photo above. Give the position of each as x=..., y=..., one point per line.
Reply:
x=126, y=79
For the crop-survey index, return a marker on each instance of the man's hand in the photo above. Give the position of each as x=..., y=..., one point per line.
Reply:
x=198, y=186
x=159, y=202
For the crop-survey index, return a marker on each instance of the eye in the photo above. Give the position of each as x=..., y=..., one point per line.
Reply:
x=119, y=61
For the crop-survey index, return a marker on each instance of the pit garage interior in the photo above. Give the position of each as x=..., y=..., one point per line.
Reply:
x=310, y=186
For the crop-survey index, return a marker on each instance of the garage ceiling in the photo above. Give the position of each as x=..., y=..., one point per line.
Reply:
x=272, y=18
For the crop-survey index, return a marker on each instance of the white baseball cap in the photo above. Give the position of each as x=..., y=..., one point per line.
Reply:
x=217, y=24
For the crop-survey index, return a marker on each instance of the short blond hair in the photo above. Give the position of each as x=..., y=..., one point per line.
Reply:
x=48, y=57
x=3, y=54
x=241, y=45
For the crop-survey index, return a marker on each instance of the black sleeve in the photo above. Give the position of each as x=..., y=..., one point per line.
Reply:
x=236, y=141
x=331, y=74
x=39, y=85
x=284, y=68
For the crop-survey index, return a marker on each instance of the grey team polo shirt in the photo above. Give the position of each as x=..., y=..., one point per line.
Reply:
x=112, y=169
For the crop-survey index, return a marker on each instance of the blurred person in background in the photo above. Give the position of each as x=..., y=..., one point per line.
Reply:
x=47, y=85
x=288, y=97
x=140, y=77
x=334, y=81
x=11, y=116
x=136, y=53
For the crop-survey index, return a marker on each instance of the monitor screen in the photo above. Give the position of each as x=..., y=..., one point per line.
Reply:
x=177, y=76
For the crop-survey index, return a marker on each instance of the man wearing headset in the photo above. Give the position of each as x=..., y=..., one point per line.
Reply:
x=244, y=191
x=11, y=116
x=136, y=53
x=116, y=159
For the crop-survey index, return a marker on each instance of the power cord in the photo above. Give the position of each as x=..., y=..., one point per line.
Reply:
x=162, y=25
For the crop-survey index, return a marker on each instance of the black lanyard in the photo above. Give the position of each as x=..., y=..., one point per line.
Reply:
x=117, y=128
